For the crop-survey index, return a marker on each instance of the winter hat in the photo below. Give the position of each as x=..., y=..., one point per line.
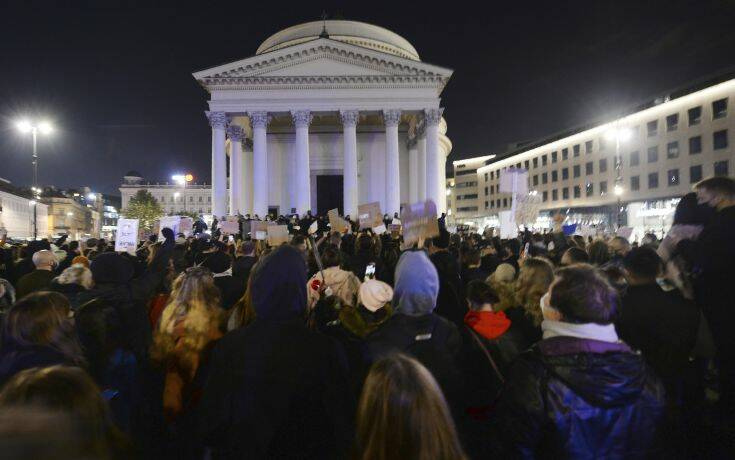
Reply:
x=80, y=260
x=417, y=284
x=505, y=273
x=111, y=267
x=217, y=262
x=374, y=294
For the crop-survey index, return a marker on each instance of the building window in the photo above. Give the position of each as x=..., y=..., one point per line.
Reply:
x=575, y=150
x=466, y=172
x=576, y=171
x=497, y=203
x=535, y=162
x=209, y=200
x=652, y=128
x=588, y=147
x=492, y=204
x=200, y=199
x=171, y=199
x=719, y=139
x=486, y=205
x=564, y=154
x=673, y=177
x=721, y=168
x=544, y=160
x=544, y=178
x=603, y=165
x=695, y=145
x=588, y=168
x=589, y=189
x=603, y=187
x=553, y=157
x=695, y=115
x=545, y=196
x=535, y=179
x=565, y=173
x=485, y=191
x=635, y=158
x=695, y=174
x=485, y=177
x=505, y=202
x=554, y=195
x=653, y=180
x=191, y=199
x=577, y=191
x=653, y=154
x=554, y=176
x=635, y=183
x=672, y=149
x=672, y=122
x=719, y=109
x=525, y=164
x=565, y=193
x=492, y=174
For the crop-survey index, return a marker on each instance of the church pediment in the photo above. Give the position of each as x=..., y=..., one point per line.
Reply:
x=321, y=62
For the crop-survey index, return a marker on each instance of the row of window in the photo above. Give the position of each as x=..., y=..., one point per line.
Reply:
x=162, y=199
x=721, y=168
x=694, y=117
x=201, y=210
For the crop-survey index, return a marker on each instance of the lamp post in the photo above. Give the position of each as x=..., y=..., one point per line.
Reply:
x=182, y=180
x=43, y=127
x=618, y=135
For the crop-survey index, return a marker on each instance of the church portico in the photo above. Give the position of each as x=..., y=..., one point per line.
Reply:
x=323, y=112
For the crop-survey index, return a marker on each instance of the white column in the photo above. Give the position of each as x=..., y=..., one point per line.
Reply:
x=218, y=122
x=237, y=184
x=260, y=122
x=434, y=174
x=392, y=173
x=421, y=163
x=413, y=171
x=302, y=120
x=247, y=180
x=349, y=173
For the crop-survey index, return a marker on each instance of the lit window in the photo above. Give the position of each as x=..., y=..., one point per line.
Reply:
x=672, y=150
x=695, y=115
x=589, y=189
x=719, y=109
x=672, y=122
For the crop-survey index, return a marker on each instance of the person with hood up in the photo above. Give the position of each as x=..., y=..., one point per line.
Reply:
x=416, y=330
x=343, y=284
x=580, y=392
x=276, y=389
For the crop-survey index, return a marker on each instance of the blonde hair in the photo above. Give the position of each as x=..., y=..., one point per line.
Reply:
x=402, y=414
x=77, y=274
x=534, y=279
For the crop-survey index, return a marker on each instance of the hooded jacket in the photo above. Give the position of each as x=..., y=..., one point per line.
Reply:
x=568, y=397
x=277, y=389
x=344, y=285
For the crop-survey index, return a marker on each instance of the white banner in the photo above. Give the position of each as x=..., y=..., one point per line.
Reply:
x=171, y=222
x=126, y=237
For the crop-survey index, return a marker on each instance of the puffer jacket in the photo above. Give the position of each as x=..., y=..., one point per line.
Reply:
x=344, y=286
x=578, y=398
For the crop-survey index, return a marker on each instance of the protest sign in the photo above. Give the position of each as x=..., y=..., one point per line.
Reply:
x=380, y=229
x=527, y=209
x=171, y=222
x=231, y=218
x=186, y=226
x=258, y=230
x=229, y=228
x=419, y=222
x=508, y=228
x=625, y=232
x=514, y=181
x=336, y=223
x=126, y=237
x=369, y=215
x=277, y=234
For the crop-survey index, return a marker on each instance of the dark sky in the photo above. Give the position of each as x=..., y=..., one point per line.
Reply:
x=115, y=77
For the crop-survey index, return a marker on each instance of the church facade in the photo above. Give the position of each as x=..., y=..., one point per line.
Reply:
x=327, y=114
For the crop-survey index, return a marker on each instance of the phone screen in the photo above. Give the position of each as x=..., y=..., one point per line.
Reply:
x=370, y=272
x=231, y=238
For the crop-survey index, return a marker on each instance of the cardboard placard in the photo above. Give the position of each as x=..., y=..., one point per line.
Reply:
x=126, y=237
x=369, y=215
x=380, y=229
x=625, y=232
x=527, y=209
x=508, y=228
x=336, y=223
x=231, y=218
x=186, y=226
x=514, y=181
x=229, y=228
x=277, y=234
x=419, y=222
x=258, y=230
x=171, y=222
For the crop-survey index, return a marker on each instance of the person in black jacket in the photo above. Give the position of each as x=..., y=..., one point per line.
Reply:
x=450, y=302
x=414, y=329
x=277, y=389
x=580, y=392
x=230, y=287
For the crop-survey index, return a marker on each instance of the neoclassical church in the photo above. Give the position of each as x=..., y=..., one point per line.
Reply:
x=327, y=114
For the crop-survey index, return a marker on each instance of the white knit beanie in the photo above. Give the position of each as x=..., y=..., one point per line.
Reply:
x=374, y=294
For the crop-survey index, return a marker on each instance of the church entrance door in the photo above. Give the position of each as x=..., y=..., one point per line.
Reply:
x=329, y=193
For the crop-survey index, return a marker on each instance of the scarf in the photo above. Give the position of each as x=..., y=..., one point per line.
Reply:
x=604, y=333
x=488, y=324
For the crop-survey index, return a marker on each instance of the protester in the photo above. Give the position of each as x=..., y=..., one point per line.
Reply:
x=574, y=255
x=522, y=306
x=402, y=414
x=40, y=278
x=580, y=392
x=450, y=302
x=342, y=283
x=471, y=269
x=38, y=332
x=72, y=281
x=230, y=287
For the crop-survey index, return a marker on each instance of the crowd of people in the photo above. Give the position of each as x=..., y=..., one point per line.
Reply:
x=350, y=345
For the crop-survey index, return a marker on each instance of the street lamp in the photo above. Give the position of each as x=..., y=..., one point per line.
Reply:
x=182, y=180
x=618, y=135
x=34, y=128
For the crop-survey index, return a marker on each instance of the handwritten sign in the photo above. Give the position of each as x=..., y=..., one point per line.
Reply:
x=508, y=227
x=126, y=237
x=514, y=181
x=277, y=234
x=336, y=223
x=229, y=228
x=259, y=230
x=369, y=215
x=419, y=222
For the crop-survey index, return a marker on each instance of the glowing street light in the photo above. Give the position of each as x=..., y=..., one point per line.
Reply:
x=26, y=126
x=619, y=135
x=182, y=180
x=618, y=189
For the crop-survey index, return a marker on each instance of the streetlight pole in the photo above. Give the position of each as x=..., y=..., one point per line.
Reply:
x=43, y=127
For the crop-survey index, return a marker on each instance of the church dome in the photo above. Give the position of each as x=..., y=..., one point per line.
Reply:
x=352, y=32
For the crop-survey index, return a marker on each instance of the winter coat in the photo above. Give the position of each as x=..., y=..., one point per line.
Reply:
x=230, y=288
x=277, y=389
x=450, y=303
x=522, y=324
x=70, y=291
x=578, y=398
x=37, y=280
x=15, y=358
x=344, y=286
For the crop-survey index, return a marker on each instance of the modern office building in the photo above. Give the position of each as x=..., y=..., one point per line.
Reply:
x=630, y=170
x=17, y=217
x=463, y=199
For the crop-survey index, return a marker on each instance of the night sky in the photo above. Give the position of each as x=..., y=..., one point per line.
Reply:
x=116, y=79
